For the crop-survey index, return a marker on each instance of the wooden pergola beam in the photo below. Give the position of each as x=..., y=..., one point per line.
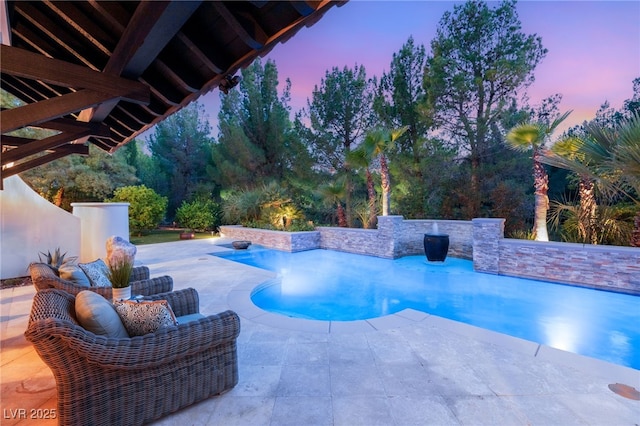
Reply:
x=59, y=152
x=49, y=109
x=45, y=144
x=32, y=66
x=246, y=27
x=152, y=26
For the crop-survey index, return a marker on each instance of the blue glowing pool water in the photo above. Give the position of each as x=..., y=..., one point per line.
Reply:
x=329, y=285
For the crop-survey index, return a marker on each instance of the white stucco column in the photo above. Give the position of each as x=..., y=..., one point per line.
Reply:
x=98, y=222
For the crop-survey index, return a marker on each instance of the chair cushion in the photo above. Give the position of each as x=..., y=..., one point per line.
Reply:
x=143, y=317
x=74, y=274
x=97, y=315
x=97, y=272
x=188, y=318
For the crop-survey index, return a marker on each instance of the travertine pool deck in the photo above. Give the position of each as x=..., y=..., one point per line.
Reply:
x=404, y=369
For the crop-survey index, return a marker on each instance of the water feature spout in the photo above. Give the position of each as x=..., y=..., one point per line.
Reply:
x=436, y=245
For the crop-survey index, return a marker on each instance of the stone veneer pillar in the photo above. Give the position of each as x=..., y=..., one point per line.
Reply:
x=389, y=233
x=487, y=234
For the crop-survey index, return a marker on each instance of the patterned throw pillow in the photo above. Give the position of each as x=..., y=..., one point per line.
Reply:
x=97, y=272
x=143, y=317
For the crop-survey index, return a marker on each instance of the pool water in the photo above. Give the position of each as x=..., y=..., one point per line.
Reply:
x=336, y=286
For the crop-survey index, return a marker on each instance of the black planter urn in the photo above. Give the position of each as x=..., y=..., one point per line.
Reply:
x=436, y=247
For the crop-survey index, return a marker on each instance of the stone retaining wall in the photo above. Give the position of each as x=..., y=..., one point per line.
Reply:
x=602, y=267
x=286, y=241
x=395, y=237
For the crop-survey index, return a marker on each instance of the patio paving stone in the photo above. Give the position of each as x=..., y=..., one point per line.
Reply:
x=410, y=368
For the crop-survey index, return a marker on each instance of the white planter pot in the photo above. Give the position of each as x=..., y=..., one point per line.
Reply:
x=121, y=293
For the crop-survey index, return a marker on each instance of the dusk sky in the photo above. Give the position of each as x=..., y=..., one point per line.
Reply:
x=593, y=48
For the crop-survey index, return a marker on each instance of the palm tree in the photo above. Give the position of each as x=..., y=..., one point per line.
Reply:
x=608, y=157
x=533, y=136
x=569, y=154
x=359, y=158
x=333, y=193
x=626, y=159
x=584, y=155
x=376, y=144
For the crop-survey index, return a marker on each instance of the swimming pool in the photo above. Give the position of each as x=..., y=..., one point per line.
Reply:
x=336, y=286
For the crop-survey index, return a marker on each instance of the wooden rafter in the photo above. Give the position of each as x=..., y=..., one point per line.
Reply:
x=41, y=145
x=149, y=30
x=39, y=112
x=126, y=64
x=59, y=152
x=245, y=26
x=29, y=65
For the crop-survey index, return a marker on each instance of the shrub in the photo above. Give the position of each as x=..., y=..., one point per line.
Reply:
x=268, y=207
x=199, y=214
x=146, y=207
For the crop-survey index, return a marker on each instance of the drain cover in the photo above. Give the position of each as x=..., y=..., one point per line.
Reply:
x=626, y=391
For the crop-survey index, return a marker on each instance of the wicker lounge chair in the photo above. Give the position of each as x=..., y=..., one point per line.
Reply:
x=131, y=381
x=45, y=277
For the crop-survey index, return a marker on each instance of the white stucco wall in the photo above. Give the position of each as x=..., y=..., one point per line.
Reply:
x=29, y=224
x=99, y=221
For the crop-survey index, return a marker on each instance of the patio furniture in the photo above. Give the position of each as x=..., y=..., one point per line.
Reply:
x=129, y=381
x=44, y=276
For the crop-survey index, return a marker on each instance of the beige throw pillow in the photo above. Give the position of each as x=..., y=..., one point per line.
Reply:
x=97, y=315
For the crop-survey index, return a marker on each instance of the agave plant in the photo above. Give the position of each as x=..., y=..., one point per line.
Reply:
x=55, y=260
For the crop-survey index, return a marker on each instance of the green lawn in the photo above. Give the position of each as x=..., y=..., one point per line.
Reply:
x=163, y=236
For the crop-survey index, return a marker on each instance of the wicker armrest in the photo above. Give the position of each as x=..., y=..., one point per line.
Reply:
x=43, y=276
x=182, y=302
x=42, y=282
x=140, y=273
x=151, y=286
x=159, y=348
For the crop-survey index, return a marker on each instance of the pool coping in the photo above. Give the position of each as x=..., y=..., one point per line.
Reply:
x=239, y=300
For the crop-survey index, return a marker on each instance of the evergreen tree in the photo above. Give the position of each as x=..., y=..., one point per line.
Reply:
x=180, y=150
x=480, y=60
x=256, y=142
x=399, y=96
x=340, y=112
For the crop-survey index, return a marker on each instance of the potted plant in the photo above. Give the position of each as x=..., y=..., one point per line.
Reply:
x=119, y=274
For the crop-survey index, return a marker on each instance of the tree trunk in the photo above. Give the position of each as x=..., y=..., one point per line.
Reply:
x=59, y=197
x=372, y=200
x=635, y=235
x=348, y=212
x=473, y=208
x=587, y=214
x=386, y=185
x=342, y=219
x=541, y=184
